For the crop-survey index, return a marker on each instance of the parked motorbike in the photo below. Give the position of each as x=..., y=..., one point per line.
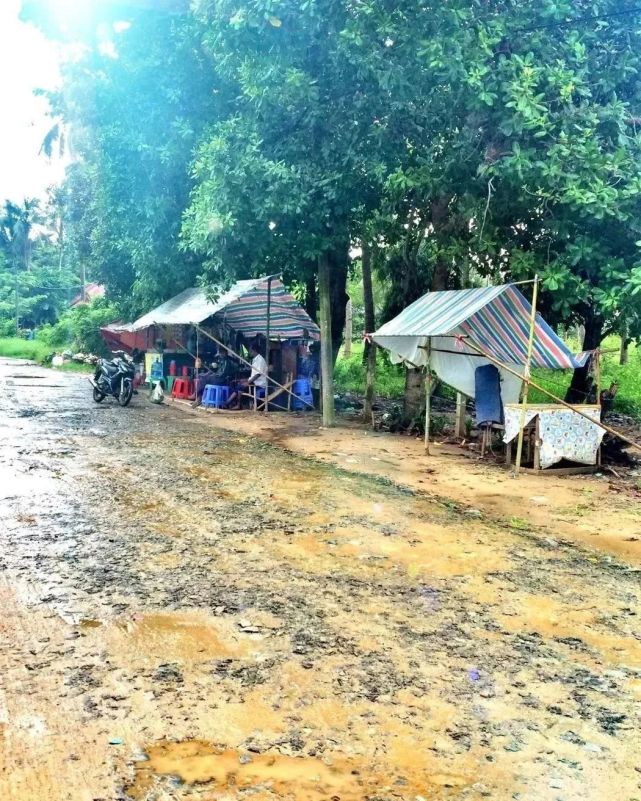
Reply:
x=114, y=377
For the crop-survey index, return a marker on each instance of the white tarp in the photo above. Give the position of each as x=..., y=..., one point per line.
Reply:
x=453, y=362
x=192, y=306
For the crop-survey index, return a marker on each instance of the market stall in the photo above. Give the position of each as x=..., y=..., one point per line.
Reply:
x=464, y=335
x=192, y=329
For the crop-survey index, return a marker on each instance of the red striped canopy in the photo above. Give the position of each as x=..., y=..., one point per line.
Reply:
x=243, y=308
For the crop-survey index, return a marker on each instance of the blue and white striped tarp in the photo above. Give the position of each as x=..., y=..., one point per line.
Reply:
x=496, y=319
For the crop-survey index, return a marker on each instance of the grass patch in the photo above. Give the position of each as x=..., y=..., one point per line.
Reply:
x=628, y=376
x=16, y=348
x=35, y=351
x=350, y=374
x=76, y=367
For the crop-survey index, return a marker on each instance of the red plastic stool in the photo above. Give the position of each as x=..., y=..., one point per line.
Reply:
x=181, y=389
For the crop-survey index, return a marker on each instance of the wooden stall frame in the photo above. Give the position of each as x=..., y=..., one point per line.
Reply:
x=244, y=361
x=554, y=397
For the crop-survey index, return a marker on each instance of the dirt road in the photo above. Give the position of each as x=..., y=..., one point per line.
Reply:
x=191, y=613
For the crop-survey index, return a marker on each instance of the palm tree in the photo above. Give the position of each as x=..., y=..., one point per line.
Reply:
x=16, y=228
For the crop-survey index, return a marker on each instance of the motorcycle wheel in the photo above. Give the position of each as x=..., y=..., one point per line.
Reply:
x=126, y=392
x=98, y=396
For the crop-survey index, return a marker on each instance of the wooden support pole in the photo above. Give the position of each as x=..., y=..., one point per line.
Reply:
x=327, y=357
x=528, y=368
x=267, y=333
x=553, y=397
x=370, y=325
x=459, y=426
x=428, y=395
x=349, y=329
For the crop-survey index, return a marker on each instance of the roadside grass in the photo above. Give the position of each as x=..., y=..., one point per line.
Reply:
x=16, y=348
x=628, y=376
x=35, y=351
x=349, y=376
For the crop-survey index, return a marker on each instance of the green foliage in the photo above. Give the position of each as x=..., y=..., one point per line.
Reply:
x=135, y=120
x=16, y=348
x=79, y=328
x=34, y=287
x=463, y=140
x=355, y=292
x=628, y=377
x=350, y=374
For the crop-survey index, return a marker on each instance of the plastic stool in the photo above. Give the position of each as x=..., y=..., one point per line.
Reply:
x=303, y=390
x=215, y=396
x=181, y=389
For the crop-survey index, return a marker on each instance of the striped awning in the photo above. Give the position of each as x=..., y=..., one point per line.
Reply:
x=496, y=318
x=243, y=308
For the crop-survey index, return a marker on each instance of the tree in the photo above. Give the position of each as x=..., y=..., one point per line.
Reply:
x=553, y=92
x=292, y=175
x=134, y=118
x=33, y=288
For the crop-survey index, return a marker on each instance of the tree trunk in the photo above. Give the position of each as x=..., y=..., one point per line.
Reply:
x=414, y=392
x=582, y=383
x=338, y=267
x=623, y=353
x=327, y=358
x=439, y=276
x=311, y=298
x=349, y=330
x=370, y=325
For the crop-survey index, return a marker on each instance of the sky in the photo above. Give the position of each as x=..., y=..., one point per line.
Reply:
x=27, y=61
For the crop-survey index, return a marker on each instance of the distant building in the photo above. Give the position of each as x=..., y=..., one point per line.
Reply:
x=91, y=292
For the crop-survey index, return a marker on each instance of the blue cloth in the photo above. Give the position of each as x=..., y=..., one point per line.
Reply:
x=487, y=395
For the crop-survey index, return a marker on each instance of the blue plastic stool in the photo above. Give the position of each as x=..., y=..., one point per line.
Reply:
x=215, y=396
x=303, y=390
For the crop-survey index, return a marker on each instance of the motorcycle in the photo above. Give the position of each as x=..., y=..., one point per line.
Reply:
x=114, y=377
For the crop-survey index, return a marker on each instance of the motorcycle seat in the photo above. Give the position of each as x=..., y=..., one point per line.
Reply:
x=110, y=368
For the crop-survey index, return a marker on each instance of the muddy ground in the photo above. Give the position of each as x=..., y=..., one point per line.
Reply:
x=190, y=612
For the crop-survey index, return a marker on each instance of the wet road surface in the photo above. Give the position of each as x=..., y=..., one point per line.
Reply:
x=188, y=613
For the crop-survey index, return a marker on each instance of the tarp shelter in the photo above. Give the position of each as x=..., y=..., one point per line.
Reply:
x=496, y=319
x=244, y=309
x=120, y=336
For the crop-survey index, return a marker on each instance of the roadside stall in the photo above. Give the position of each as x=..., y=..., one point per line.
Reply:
x=190, y=331
x=483, y=343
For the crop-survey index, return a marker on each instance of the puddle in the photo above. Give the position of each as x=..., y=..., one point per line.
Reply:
x=90, y=624
x=182, y=637
x=276, y=776
x=200, y=763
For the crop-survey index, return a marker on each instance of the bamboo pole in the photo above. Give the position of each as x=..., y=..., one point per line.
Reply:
x=267, y=332
x=428, y=395
x=528, y=367
x=327, y=357
x=597, y=376
x=244, y=361
x=555, y=398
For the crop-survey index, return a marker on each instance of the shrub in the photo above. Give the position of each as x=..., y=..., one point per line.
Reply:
x=79, y=328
